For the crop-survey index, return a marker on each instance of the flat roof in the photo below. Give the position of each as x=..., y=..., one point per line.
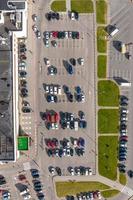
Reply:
x=6, y=97
x=10, y=4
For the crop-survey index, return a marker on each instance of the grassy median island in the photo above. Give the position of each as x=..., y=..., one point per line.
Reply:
x=82, y=6
x=110, y=193
x=72, y=188
x=101, y=11
x=107, y=156
x=108, y=93
x=102, y=65
x=101, y=39
x=108, y=121
x=122, y=179
x=58, y=6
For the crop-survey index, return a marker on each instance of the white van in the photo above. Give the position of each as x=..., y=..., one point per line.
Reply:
x=114, y=32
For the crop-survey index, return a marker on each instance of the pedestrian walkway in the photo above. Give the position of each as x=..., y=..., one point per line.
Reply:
x=68, y=5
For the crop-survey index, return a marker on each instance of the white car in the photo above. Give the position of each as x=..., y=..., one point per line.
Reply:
x=55, y=90
x=34, y=27
x=70, y=34
x=51, y=89
x=72, y=171
x=26, y=196
x=47, y=61
x=64, y=152
x=75, y=142
x=124, y=118
x=83, y=98
x=66, y=34
x=68, y=124
x=47, y=43
x=47, y=35
x=38, y=34
x=47, y=88
x=59, y=90
x=22, y=64
x=54, y=126
x=52, y=170
x=72, y=16
x=34, y=17
x=81, y=61
x=123, y=145
x=124, y=110
x=78, y=171
x=22, y=68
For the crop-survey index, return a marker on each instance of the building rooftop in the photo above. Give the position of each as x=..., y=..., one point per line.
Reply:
x=8, y=5
x=6, y=104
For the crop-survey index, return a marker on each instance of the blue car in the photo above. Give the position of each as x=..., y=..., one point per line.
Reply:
x=70, y=69
x=78, y=89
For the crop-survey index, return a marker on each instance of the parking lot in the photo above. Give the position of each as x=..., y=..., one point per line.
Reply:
x=82, y=76
x=121, y=67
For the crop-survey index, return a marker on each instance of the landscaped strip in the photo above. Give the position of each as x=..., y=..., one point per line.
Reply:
x=58, y=6
x=101, y=39
x=82, y=6
x=107, y=156
x=102, y=65
x=108, y=121
x=122, y=179
x=108, y=93
x=101, y=11
x=72, y=188
x=110, y=193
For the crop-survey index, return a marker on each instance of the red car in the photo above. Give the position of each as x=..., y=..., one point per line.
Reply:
x=50, y=144
x=23, y=57
x=21, y=177
x=55, y=34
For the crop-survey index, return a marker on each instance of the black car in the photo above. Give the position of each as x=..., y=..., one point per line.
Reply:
x=66, y=89
x=22, y=73
x=49, y=152
x=26, y=103
x=40, y=196
x=23, y=50
x=53, y=15
x=76, y=15
x=81, y=114
x=58, y=170
x=2, y=181
x=130, y=173
x=37, y=183
x=52, y=70
x=48, y=16
x=73, y=61
x=26, y=110
x=124, y=103
x=57, y=16
x=70, y=97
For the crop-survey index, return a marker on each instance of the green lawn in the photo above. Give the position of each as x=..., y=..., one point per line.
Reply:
x=122, y=179
x=72, y=188
x=101, y=39
x=110, y=193
x=102, y=65
x=82, y=6
x=108, y=121
x=58, y=6
x=108, y=93
x=107, y=156
x=101, y=10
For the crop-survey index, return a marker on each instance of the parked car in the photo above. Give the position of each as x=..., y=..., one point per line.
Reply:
x=34, y=17
x=52, y=70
